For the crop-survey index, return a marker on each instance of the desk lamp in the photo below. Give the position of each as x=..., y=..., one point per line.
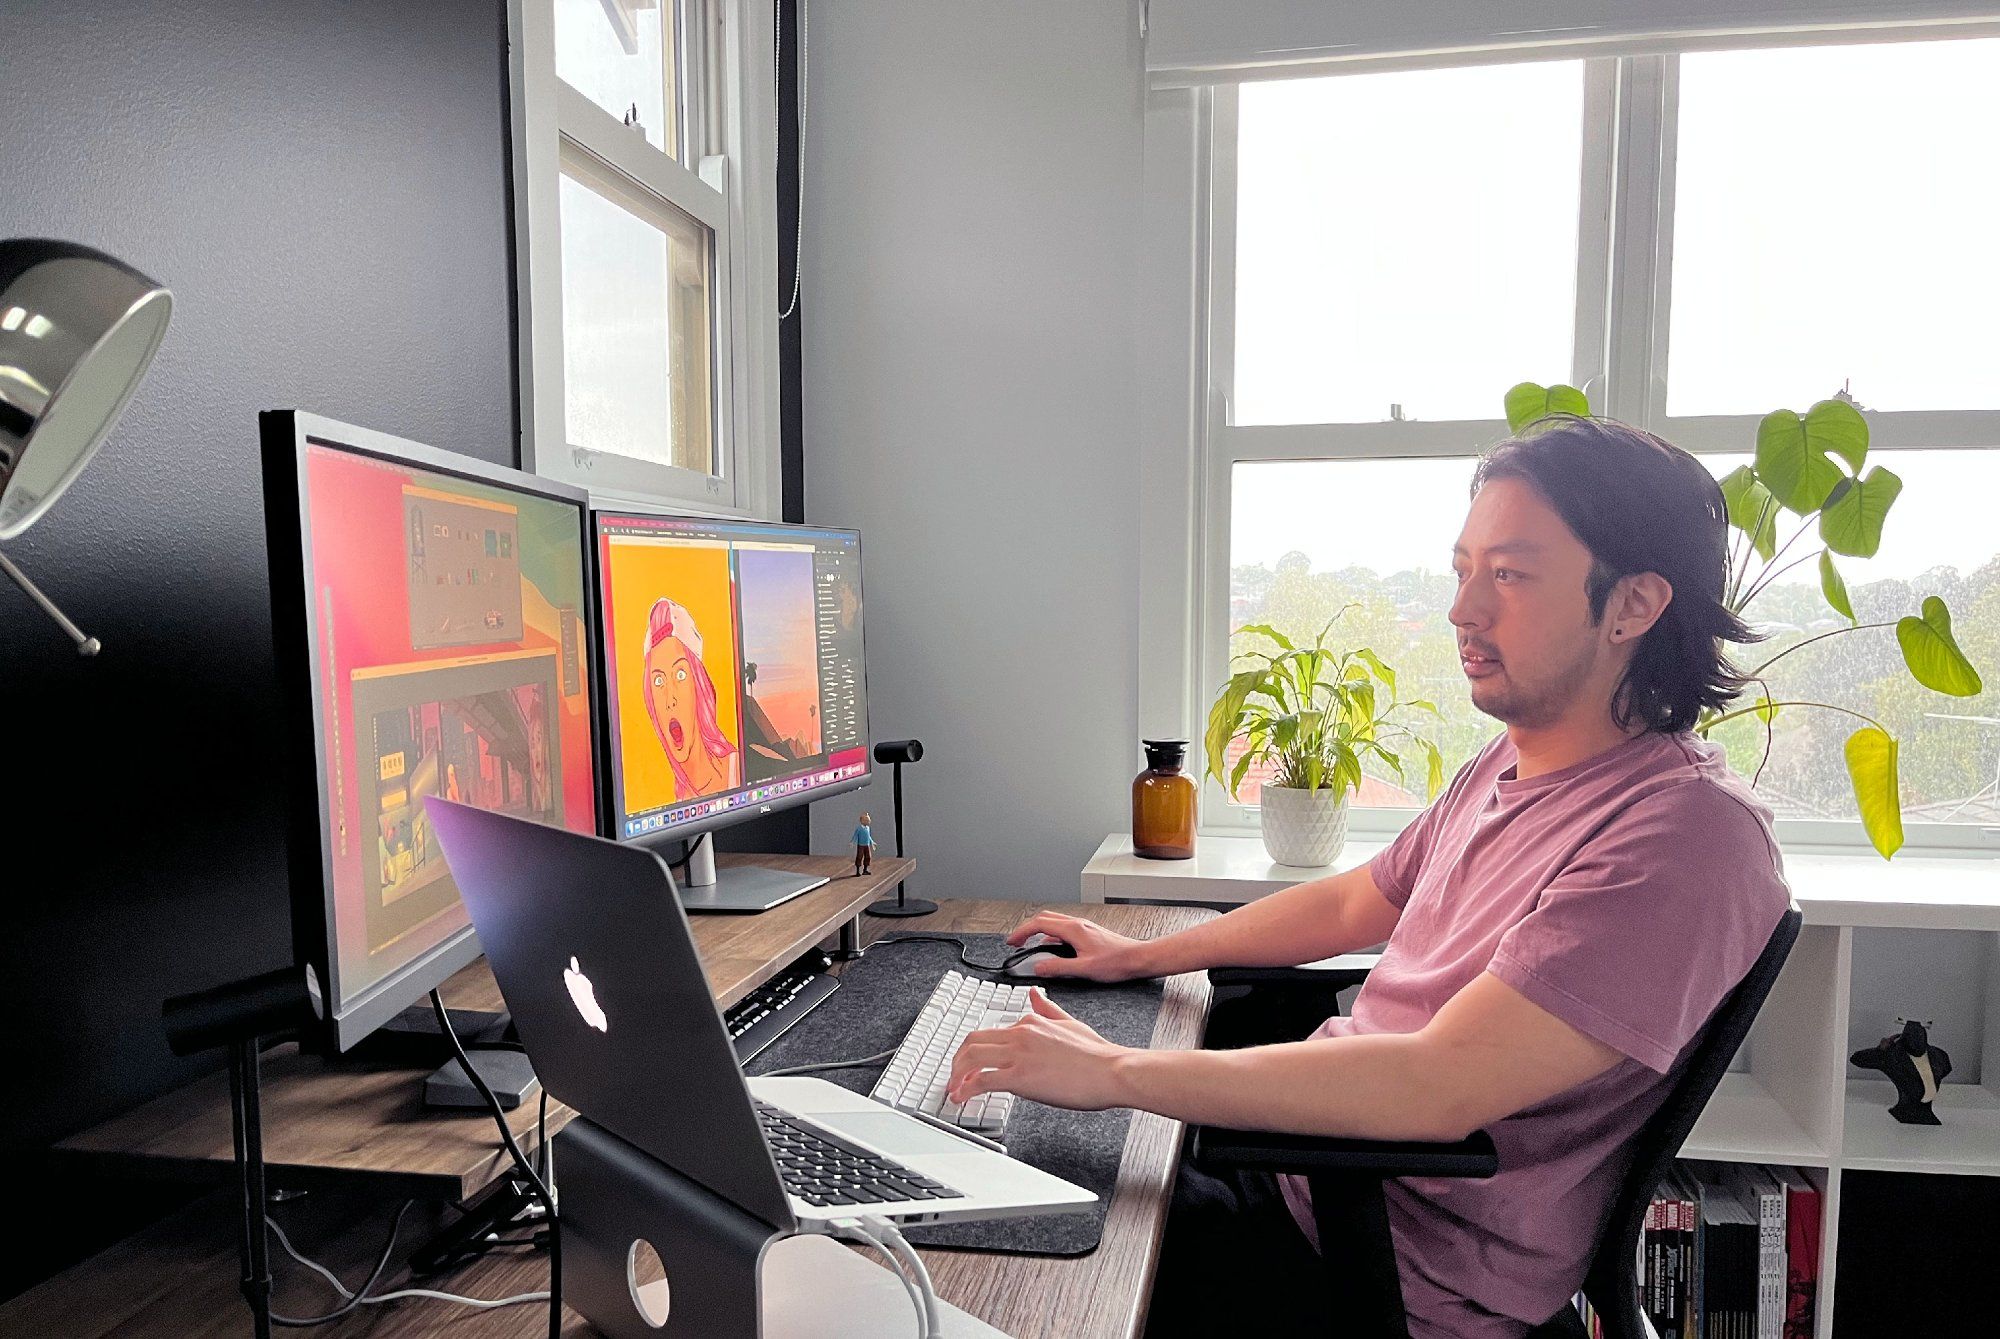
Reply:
x=78, y=330
x=896, y=752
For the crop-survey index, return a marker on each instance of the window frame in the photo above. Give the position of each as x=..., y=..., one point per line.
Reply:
x=725, y=180
x=1623, y=287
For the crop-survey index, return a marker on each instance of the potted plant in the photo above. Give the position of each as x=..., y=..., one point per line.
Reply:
x=1814, y=466
x=1315, y=714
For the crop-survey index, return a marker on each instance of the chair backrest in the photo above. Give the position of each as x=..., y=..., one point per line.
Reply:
x=1613, y=1284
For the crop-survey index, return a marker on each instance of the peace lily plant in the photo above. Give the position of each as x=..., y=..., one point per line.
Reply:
x=1813, y=467
x=1312, y=712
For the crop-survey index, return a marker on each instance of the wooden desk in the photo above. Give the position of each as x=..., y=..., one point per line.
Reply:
x=179, y=1277
x=330, y=1121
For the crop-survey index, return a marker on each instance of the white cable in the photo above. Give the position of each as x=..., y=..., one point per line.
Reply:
x=891, y=1237
x=347, y=1294
x=850, y=1229
x=777, y=71
x=876, y=1059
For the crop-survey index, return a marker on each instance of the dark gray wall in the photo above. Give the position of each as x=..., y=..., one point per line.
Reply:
x=324, y=186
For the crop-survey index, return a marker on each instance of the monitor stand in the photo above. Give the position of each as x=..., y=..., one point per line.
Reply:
x=744, y=888
x=412, y=1038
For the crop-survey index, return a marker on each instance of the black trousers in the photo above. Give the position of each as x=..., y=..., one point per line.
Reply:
x=1235, y=1264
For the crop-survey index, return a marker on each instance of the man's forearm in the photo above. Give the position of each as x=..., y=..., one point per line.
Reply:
x=1379, y=1086
x=1337, y=914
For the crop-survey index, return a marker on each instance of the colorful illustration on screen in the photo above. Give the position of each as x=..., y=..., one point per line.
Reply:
x=681, y=700
x=781, y=689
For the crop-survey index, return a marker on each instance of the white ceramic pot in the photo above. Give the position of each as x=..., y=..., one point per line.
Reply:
x=1305, y=828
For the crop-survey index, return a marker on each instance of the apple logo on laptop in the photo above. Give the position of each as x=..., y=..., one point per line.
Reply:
x=584, y=996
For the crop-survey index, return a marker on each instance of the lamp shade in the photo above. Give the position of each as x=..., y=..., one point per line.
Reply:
x=78, y=329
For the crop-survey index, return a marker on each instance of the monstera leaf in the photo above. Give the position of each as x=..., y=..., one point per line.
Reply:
x=1932, y=653
x=1851, y=522
x=1871, y=766
x=1528, y=402
x=1795, y=455
x=1752, y=509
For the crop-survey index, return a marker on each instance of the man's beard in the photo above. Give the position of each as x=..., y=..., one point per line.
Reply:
x=1538, y=705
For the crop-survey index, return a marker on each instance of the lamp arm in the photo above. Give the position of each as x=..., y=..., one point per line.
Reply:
x=85, y=646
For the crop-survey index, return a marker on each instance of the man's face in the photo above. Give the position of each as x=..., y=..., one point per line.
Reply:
x=1525, y=637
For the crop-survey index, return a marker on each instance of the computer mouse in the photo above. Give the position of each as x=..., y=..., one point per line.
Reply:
x=1021, y=962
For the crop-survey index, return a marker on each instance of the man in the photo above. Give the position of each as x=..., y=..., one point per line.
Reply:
x=1560, y=924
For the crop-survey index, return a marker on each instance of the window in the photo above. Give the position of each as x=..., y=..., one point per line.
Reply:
x=1697, y=240
x=644, y=193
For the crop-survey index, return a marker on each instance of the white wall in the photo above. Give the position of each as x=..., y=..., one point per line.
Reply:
x=972, y=198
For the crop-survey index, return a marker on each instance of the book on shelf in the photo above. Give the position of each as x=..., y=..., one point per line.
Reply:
x=1729, y=1251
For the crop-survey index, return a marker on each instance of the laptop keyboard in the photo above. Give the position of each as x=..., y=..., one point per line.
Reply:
x=823, y=1169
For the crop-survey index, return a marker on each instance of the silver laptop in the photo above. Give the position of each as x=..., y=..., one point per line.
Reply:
x=592, y=951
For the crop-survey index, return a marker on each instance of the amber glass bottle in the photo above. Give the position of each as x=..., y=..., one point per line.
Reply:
x=1163, y=803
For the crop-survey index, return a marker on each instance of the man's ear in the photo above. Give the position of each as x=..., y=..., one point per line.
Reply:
x=1636, y=603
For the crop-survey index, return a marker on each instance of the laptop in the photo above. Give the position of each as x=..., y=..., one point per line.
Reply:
x=592, y=952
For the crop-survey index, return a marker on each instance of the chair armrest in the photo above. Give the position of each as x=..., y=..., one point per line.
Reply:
x=1252, y=1006
x=1215, y=1148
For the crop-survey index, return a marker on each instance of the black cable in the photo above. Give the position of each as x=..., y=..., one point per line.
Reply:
x=688, y=848
x=374, y=1277
x=520, y=1160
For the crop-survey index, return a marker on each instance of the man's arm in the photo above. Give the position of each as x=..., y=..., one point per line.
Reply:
x=1308, y=921
x=1487, y=1054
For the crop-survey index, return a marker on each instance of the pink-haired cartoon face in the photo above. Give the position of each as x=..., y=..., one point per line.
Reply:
x=670, y=684
x=681, y=699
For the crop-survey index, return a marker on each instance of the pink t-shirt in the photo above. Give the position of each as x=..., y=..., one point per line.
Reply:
x=1626, y=895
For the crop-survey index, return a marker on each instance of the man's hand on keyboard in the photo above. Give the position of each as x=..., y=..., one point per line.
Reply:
x=1101, y=955
x=1046, y=1055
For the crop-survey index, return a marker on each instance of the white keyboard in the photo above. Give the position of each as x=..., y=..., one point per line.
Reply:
x=915, y=1080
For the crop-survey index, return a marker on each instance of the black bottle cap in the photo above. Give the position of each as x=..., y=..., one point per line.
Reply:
x=1165, y=753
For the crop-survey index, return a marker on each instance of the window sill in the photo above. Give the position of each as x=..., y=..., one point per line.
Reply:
x=1858, y=888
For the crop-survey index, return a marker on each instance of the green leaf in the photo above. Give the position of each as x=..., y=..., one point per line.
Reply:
x=1382, y=671
x=1871, y=766
x=1833, y=587
x=1528, y=402
x=1852, y=521
x=1266, y=630
x=1434, y=780
x=1793, y=453
x=1766, y=709
x=1932, y=652
x=1422, y=704
x=1237, y=773
x=1224, y=718
x=1752, y=509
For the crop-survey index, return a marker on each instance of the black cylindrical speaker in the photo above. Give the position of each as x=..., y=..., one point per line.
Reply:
x=899, y=750
x=265, y=1005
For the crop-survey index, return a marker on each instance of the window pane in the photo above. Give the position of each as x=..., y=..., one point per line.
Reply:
x=1304, y=542
x=1939, y=540
x=622, y=55
x=1405, y=239
x=637, y=374
x=1833, y=223
x=1309, y=537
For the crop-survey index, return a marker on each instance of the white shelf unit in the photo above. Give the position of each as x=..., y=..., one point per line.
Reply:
x=1915, y=937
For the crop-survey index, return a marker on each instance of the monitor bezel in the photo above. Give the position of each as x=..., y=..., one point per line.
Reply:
x=611, y=801
x=285, y=435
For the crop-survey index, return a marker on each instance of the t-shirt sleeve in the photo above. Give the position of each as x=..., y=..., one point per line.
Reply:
x=1396, y=866
x=1651, y=923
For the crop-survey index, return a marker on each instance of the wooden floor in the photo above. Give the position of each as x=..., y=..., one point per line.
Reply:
x=179, y=1278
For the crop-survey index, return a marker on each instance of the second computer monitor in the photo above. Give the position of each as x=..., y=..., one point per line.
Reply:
x=732, y=666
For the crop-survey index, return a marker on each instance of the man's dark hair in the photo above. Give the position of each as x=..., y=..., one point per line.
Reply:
x=1640, y=504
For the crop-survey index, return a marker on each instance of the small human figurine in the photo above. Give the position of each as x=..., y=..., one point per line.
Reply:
x=1915, y=1066
x=864, y=848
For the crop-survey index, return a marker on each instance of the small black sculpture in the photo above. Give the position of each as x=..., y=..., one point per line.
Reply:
x=1915, y=1066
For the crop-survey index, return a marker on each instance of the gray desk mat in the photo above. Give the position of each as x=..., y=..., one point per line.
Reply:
x=878, y=999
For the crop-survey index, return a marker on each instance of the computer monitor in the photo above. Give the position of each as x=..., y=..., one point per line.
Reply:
x=433, y=628
x=733, y=680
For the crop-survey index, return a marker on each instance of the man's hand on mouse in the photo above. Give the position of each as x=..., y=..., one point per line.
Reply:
x=1045, y=1055
x=1101, y=955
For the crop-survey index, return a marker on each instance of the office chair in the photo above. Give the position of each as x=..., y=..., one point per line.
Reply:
x=1253, y=1005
